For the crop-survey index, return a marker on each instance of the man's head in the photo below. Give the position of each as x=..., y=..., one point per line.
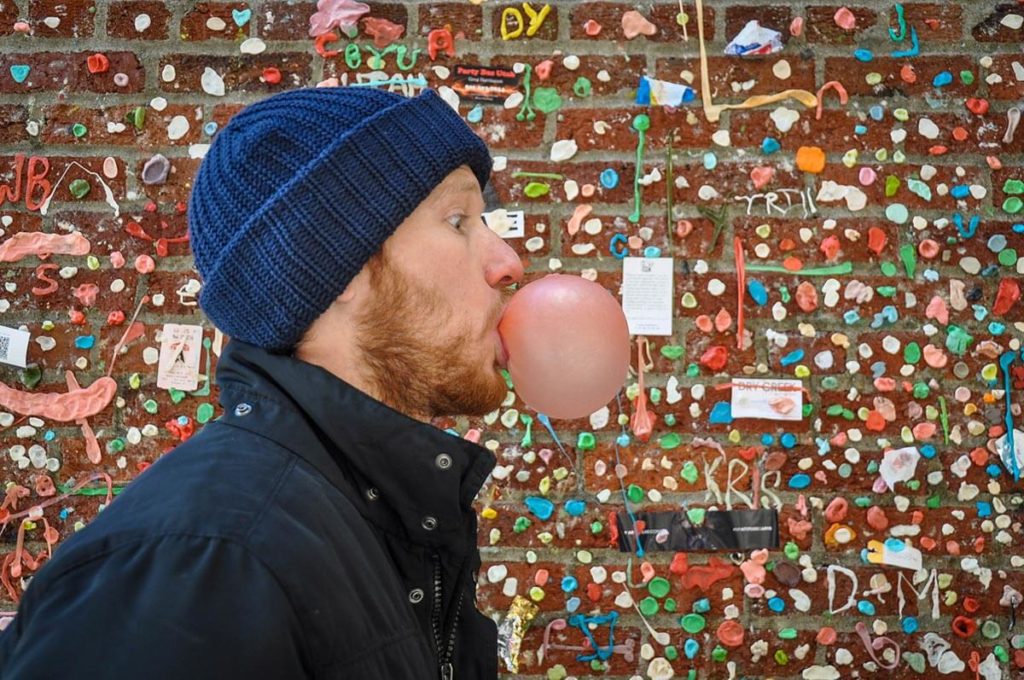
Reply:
x=417, y=327
x=344, y=225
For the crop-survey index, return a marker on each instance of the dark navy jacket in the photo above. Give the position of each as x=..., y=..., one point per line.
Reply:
x=309, y=532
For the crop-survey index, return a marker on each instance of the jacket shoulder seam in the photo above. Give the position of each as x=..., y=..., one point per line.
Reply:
x=272, y=496
x=289, y=464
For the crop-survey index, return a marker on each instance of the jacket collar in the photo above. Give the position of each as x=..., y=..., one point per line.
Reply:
x=355, y=440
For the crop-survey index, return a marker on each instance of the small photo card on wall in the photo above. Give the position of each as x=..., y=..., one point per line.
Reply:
x=647, y=295
x=180, y=348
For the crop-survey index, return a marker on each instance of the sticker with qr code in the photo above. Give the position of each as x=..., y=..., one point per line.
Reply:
x=506, y=223
x=14, y=346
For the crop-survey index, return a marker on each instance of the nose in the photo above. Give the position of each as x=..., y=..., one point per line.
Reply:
x=503, y=264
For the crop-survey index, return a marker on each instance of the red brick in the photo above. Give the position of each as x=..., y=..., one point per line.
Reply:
x=609, y=15
x=785, y=238
x=60, y=119
x=12, y=123
x=821, y=26
x=581, y=125
x=463, y=19
x=222, y=113
x=573, y=637
x=110, y=234
x=501, y=130
x=56, y=71
x=876, y=192
x=852, y=73
x=394, y=12
x=991, y=28
x=774, y=17
x=749, y=128
x=241, y=74
x=548, y=29
x=177, y=186
x=935, y=22
x=74, y=167
x=1010, y=87
x=612, y=224
x=727, y=72
x=121, y=19
x=8, y=16
x=591, y=66
x=743, y=655
x=76, y=18
x=282, y=21
x=811, y=346
x=194, y=24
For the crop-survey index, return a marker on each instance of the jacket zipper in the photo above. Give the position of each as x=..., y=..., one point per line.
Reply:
x=444, y=651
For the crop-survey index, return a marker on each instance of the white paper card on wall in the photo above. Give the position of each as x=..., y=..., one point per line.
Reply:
x=506, y=224
x=14, y=346
x=770, y=399
x=895, y=553
x=906, y=558
x=647, y=295
x=899, y=465
x=180, y=348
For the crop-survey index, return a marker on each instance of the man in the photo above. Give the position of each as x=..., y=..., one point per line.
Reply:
x=321, y=528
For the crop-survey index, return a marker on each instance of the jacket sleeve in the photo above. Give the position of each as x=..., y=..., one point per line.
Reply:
x=182, y=607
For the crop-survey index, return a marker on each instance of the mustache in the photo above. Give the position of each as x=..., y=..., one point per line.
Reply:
x=499, y=310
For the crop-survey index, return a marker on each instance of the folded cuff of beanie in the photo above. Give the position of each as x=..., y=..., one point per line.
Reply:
x=291, y=258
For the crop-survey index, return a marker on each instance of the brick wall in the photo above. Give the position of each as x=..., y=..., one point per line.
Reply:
x=91, y=91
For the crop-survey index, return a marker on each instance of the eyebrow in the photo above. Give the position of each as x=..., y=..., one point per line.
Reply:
x=463, y=187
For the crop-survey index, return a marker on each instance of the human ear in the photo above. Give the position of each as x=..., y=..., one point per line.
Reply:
x=355, y=289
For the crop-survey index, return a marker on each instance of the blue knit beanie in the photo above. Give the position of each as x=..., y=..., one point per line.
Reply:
x=300, y=189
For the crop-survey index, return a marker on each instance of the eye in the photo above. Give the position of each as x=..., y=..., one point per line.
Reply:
x=456, y=220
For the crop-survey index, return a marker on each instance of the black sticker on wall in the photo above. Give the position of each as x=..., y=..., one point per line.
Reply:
x=721, y=530
x=489, y=84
